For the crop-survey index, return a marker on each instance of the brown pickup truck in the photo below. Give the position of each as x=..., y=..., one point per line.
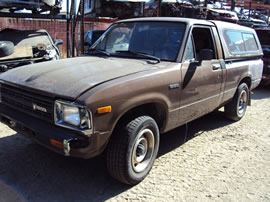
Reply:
x=141, y=78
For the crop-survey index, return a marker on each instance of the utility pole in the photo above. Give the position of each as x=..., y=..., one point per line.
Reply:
x=249, y=10
x=159, y=8
x=205, y=3
x=73, y=26
x=233, y=5
x=68, y=21
x=82, y=26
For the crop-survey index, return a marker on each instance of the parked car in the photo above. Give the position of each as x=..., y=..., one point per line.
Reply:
x=245, y=21
x=143, y=77
x=251, y=22
x=264, y=37
x=223, y=15
x=30, y=46
x=36, y=6
x=258, y=23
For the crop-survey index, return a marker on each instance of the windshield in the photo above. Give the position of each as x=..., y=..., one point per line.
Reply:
x=158, y=39
x=22, y=38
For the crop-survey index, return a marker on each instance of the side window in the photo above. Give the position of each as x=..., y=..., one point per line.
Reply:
x=234, y=41
x=190, y=51
x=250, y=42
x=239, y=42
x=203, y=40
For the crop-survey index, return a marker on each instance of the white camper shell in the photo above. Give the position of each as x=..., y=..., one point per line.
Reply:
x=238, y=41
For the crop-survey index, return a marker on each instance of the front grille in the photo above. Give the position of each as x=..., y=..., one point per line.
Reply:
x=25, y=101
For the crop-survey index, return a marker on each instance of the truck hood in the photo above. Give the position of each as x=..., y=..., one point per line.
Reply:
x=71, y=77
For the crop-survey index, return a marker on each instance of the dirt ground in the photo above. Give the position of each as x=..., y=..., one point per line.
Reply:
x=220, y=161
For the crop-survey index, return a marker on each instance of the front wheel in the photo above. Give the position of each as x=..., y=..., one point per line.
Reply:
x=235, y=110
x=132, y=150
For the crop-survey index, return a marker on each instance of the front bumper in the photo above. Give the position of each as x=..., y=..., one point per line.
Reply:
x=75, y=143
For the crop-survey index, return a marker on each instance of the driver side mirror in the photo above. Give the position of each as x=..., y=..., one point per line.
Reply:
x=58, y=42
x=6, y=48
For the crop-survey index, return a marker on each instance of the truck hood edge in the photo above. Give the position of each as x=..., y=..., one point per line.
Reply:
x=72, y=77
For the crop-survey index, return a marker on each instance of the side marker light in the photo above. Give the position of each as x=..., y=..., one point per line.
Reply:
x=106, y=109
x=57, y=144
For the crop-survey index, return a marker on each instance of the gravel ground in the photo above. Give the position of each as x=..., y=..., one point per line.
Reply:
x=220, y=161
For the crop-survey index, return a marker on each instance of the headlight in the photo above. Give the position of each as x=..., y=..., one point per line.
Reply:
x=72, y=115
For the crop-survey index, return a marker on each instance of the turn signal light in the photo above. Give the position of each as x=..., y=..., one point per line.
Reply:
x=106, y=109
x=57, y=144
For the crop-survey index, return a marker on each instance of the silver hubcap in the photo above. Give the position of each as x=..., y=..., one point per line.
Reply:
x=143, y=150
x=242, y=102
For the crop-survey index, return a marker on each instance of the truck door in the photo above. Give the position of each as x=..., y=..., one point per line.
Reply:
x=202, y=75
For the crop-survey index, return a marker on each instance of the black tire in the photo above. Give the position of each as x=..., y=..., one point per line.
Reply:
x=6, y=48
x=139, y=137
x=235, y=110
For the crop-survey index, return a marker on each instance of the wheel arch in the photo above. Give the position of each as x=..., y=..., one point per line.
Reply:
x=158, y=111
x=246, y=80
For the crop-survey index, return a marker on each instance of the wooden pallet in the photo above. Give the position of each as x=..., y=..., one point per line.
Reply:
x=20, y=52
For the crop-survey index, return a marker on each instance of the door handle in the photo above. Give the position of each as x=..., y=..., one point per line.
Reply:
x=216, y=66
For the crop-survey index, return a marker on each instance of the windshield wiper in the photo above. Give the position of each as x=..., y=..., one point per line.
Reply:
x=140, y=54
x=99, y=51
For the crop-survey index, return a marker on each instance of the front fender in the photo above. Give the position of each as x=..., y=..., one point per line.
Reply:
x=123, y=94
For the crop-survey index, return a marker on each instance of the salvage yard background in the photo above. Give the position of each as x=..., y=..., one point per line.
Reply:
x=221, y=161
x=56, y=28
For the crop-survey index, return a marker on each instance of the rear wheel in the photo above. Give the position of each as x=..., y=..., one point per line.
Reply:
x=133, y=149
x=235, y=110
